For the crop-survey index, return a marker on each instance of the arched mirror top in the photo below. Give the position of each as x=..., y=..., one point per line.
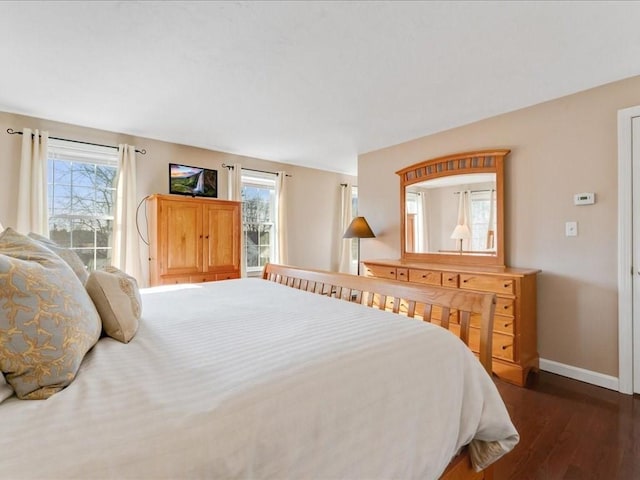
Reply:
x=452, y=209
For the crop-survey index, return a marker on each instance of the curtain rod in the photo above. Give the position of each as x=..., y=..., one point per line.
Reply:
x=478, y=191
x=10, y=131
x=230, y=167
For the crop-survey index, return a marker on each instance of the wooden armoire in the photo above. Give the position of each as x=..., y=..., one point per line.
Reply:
x=193, y=240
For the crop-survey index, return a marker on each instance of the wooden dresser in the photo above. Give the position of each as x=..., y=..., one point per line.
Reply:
x=515, y=351
x=193, y=240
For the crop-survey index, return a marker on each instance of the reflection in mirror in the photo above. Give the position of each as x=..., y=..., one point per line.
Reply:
x=452, y=214
x=452, y=209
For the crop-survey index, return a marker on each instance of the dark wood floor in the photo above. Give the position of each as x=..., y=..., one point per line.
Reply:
x=571, y=430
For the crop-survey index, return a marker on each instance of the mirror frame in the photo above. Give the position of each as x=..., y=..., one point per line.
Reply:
x=481, y=161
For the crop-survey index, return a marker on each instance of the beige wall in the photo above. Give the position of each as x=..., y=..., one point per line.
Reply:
x=558, y=148
x=314, y=195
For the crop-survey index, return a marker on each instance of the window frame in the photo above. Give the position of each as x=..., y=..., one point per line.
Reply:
x=263, y=180
x=72, y=154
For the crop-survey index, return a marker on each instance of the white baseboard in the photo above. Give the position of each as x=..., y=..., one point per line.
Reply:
x=594, y=378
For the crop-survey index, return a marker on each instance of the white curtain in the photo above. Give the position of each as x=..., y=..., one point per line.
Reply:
x=467, y=219
x=235, y=193
x=235, y=183
x=33, y=212
x=423, y=222
x=281, y=249
x=126, y=247
x=346, y=214
x=491, y=233
x=464, y=213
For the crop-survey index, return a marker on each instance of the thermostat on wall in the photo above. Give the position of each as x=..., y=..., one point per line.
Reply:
x=584, y=199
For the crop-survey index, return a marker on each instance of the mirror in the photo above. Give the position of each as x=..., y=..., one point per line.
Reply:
x=452, y=209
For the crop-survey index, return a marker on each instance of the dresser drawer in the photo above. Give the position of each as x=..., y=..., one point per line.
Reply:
x=428, y=277
x=487, y=283
x=500, y=323
x=381, y=271
x=502, y=345
x=505, y=306
x=450, y=280
x=402, y=274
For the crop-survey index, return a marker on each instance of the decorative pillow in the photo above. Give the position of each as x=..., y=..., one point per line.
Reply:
x=47, y=320
x=5, y=389
x=117, y=298
x=66, y=254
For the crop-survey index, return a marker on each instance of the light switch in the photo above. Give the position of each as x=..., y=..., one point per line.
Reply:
x=571, y=229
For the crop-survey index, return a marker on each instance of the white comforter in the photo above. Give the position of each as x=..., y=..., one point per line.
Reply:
x=250, y=379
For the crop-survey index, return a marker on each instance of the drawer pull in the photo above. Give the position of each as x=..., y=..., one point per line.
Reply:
x=504, y=347
x=424, y=276
x=401, y=274
x=507, y=285
x=392, y=272
x=507, y=324
x=506, y=307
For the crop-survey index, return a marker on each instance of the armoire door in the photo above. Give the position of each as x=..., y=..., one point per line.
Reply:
x=181, y=231
x=222, y=238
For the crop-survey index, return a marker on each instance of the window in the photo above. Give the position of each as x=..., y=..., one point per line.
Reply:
x=412, y=233
x=258, y=218
x=81, y=186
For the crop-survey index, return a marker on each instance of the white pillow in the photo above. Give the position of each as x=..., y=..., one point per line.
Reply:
x=117, y=299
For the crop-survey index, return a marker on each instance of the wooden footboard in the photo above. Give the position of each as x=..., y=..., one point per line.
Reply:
x=412, y=300
x=460, y=468
x=450, y=308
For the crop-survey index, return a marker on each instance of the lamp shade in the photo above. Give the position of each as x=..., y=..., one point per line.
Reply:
x=461, y=232
x=358, y=228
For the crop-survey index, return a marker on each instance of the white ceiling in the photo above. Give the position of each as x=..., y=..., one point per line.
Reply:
x=307, y=83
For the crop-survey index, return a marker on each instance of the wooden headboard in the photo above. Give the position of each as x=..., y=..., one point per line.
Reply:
x=450, y=308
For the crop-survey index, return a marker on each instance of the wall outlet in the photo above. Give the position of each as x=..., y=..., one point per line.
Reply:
x=571, y=229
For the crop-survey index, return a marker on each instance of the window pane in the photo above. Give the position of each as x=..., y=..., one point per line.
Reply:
x=61, y=172
x=60, y=231
x=252, y=255
x=104, y=229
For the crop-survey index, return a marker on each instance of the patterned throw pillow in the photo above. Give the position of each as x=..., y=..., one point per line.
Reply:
x=117, y=298
x=66, y=254
x=47, y=320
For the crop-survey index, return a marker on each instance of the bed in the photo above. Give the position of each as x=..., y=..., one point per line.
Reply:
x=272, y=378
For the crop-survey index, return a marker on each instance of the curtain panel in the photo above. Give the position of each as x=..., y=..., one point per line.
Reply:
x=234, y=192
x=126, y=253
x=346, y=215
x=33, y=211
x=281, y=219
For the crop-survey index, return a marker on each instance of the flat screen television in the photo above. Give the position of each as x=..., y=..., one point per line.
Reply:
x=193, y=181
